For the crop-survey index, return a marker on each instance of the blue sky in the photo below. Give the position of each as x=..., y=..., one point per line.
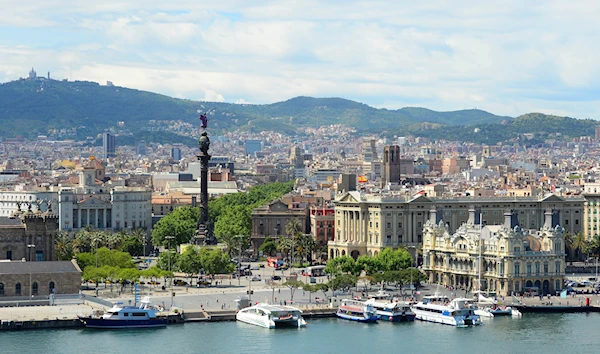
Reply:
x=507, y=57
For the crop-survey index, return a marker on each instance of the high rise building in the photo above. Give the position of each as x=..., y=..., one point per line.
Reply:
x=176, y=153
x=253, y=146
x=108, y=145
x=140, y=149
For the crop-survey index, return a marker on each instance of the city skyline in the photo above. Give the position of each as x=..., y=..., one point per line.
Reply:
x=507, y=59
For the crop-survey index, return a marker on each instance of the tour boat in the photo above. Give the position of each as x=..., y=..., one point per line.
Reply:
x=392, y=311
x=354, y=310
x=120, y=316
x=271, y=316
x=457, y=312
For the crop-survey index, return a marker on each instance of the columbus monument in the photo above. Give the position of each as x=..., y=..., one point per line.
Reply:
x=204, y=234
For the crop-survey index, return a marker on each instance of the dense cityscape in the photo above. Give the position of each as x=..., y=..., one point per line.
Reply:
x=387, y=177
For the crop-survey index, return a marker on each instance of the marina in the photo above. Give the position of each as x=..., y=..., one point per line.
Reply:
x=535, y=333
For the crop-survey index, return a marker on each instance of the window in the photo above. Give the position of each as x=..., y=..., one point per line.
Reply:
x=557, y=267
x=51, y=287
x=528, y=268
x=9, y=254
x=34, y=288
x=18, y=289
x=1, y=288
x=517, y=269
x=388, y=225
x=545, y=268
x=399, y=225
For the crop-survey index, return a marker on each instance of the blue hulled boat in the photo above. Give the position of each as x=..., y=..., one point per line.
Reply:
x=354, y=310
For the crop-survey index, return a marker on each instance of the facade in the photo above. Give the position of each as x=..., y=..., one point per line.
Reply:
x=28, y=235
x=39, y=278
x=503, y=258
x=365, y=223
x=270, y=221
x=176, y=154
x=90, y=202
x=591, y=193
x=253, y=146
x=108, y=145
x=322, y=224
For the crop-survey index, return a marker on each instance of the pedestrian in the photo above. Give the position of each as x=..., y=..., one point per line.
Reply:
x=285, y=302
x=279, y=291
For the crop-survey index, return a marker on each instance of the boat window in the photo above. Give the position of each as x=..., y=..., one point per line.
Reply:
x=142, y=314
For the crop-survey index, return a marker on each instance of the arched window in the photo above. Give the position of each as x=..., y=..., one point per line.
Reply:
x=1, y=288
x=34, y=288
x=51, y=287
x=18, y=289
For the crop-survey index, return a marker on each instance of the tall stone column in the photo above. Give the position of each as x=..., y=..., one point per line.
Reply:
x=204, y=232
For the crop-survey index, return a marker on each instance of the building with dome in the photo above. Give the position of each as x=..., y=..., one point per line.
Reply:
x=507, y=258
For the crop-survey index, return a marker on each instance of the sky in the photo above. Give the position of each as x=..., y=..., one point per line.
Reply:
x=507, y=57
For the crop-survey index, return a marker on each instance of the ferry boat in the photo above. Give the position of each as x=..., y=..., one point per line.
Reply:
x=271, y=316
x=355, y=310
x=436, y=308
x=392, y=311
x=120, y=316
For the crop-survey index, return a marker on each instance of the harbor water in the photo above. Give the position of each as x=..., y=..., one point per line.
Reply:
x=534, y=333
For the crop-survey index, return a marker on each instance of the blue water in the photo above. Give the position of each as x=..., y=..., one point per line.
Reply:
x=543, y=333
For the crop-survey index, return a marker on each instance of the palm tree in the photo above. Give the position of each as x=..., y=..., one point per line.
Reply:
x=579, y=245
x=63, y=246
x=293, y=228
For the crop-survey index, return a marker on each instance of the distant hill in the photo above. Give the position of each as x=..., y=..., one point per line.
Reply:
x=40, y=107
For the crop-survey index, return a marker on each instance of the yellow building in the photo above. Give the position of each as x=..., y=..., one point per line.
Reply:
x=505, y=258
x=591, y=192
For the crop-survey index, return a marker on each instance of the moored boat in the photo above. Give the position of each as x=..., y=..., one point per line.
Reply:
x=271, y=316
x=354, y=310
x=438, y=309
x=392, y=311
x=120, y=316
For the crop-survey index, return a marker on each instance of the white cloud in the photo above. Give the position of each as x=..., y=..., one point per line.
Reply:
x=508, y=57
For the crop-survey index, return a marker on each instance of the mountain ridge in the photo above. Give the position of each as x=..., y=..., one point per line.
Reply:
x=38, y=107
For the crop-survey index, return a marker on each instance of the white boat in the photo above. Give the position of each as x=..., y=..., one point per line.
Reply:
x=436, y=308
x=354, y=310
x=120, y=316
x=392, y=311
x=271, y=316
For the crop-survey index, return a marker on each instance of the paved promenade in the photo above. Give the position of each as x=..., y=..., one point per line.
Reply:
x=41, y=313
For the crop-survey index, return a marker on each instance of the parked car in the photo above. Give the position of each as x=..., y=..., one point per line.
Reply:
x=255, y=278
x=180, y=282
x=276, y=277
x=261, y=265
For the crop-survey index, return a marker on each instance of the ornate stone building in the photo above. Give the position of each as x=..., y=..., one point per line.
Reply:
x=28, y=235
x=506, y=258
x=270, y=220
x=367, y=223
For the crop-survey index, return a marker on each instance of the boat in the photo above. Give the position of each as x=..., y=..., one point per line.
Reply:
x=355, y=310
x=438, y=309
x=120, y=316
x=489, y=305
x=392, y=311
x=271, y=316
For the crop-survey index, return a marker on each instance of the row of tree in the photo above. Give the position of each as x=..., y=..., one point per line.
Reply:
x=88, y=240
x=194, y=261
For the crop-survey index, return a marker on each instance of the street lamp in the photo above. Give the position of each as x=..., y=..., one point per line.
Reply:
x=169, y=238
x=30, y=246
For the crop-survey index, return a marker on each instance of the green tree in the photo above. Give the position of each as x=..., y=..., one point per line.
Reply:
x=105, y=257
x=214, y=261
x=132, y=245
x=190, y=262
x=131, y=275
x=168, y=260
x=268, y=247
x=394, y=259
x=343, y=281
x=579, y=245
x=370, y=265
x=293, y=285
x=324, y=288
x=341, y=265
x=181, y=224
x=63, y=247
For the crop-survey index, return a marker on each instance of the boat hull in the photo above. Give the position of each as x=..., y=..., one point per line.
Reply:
x=119, y=324
x=397, y=318
x=370, y=319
